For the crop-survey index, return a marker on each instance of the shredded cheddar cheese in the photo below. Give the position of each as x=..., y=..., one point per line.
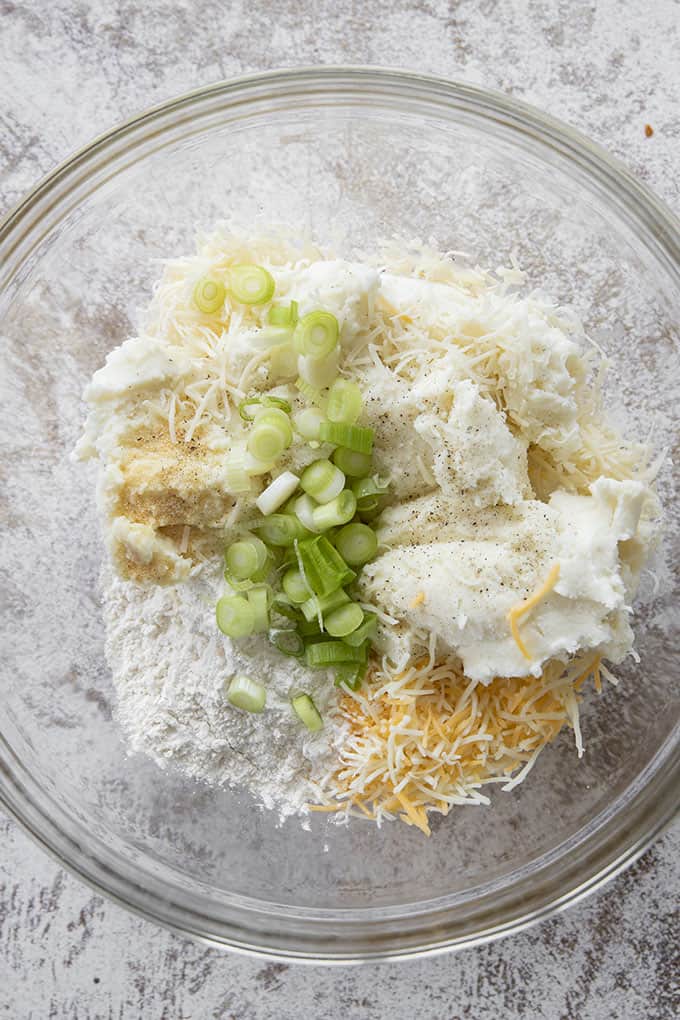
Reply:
x=428, y=738
x=522, y=608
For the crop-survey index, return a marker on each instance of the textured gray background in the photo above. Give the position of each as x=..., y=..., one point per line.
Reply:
x=71, y=70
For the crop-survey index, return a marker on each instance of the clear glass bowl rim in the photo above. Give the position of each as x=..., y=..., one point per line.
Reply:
x=563, y=877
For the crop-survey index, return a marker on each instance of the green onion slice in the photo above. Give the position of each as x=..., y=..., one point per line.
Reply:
x=318, y=372
x=329, y=653
x=353, y=437
x=295, y=586
x=309, y=392
x=344, y=402
x=288, y=641
x=283, y=362
x=209, y=295
x=316, y=335
x=247, y=694
x=322, y=481
x=303, y=507
x=356, y=543
x=262, y=402
x=369, y=493
x=363, y=633
x=344, y=620
x=259, y=600
x=309, y=629
x=313, y=607
x=272, y=433
x=236, y=470
x=266, y=443
x=282, y=605
x=323, y=567
x=281, y=530
x=235, y=616
x=236, y=584
x=351, y=675
x=255, y=466
x=251, y=285
x=307, y=712
x=354, y=465
x=336, y=512
x=308, y=422
x=284, y=315
x=246, y=558
x=277, y=492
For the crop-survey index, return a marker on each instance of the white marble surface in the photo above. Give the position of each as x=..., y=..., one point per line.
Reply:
x=71, y=70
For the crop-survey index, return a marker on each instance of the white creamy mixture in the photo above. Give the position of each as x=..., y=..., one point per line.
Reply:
x=486, y=430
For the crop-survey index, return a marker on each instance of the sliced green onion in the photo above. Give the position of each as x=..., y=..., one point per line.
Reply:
x=308, y=422
x=329, y=653
x=283, y=361
x=344, y=620
x=277, y=492
x=323, y=567
x=281, y=530
x=311, y=393
x=277, y=417
x=322, y=480
x=235, y=616
x=261, y=402
x=209, y=295
x=251, y=285
x=269, y=338
x=295, y=586
x=344, y=402
x=237, y=585
x=316, y=334
x=307, y=712
x=351, y=436
x=247, y=694
x=350, y=674
x=283, y=315
x=288, y=641
x=320, y=604
x=356, y=543
x=303, y=508
x=363, y=633
x=271, y=435
x=337, y=511
x=282, y=605
x=318, y=372
x=255, y=466
x=309, y=629
x=236, y=473
x=259, y=599
x=369, y=493
x=246, y=557
x=266, y=443
x=354, y=465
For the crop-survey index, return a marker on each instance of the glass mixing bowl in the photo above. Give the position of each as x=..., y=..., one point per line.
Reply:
x=351, y=156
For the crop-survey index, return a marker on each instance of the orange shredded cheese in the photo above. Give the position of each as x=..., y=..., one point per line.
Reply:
x=410, y=753
x=418, y=600
x=522, y=608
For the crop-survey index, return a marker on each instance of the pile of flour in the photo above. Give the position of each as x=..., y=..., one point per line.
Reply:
x=171, y=666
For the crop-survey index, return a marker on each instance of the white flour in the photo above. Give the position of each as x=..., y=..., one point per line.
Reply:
x=170, y=664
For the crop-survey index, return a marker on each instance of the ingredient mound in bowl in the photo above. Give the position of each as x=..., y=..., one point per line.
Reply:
x=370, y=532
